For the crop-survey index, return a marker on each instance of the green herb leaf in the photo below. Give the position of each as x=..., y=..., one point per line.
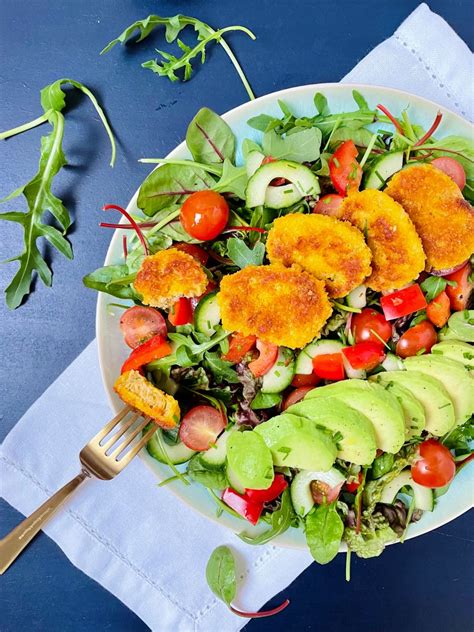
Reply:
x=324, y=529
x=102, y=280
x=432, y=286
x=221, y=369
x=280, y=521
x=244, y=256
x=321, y=104
x=360, y=100
x=263, y=122
x=301, y=145
x=220, y=574
x=209, y=138
x=265, y=400
x=214, y=478
x=233, y=180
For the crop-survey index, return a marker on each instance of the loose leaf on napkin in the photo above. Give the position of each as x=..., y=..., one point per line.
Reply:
x=39, y=196
x=220, y=574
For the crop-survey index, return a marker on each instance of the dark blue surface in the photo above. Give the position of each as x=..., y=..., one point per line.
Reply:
x=424, y=585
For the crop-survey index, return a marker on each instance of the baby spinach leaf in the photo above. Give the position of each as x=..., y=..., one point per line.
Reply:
x=102, y=278
x=244, y=256
x=211, y=478
x=209, y=138
x=299, y=145
x=221, y=369
x=265, y=400
x=233, y=180
x=169, y=185
x=220, y=574
x=280, y=521
x=324, y=529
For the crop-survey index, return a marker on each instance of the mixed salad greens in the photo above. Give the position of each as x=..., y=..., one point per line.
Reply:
x=351, y=437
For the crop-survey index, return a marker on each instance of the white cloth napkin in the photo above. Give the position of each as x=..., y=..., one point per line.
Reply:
x=132, y=537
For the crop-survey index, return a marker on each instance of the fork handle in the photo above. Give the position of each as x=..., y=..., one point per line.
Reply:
x=13, y=544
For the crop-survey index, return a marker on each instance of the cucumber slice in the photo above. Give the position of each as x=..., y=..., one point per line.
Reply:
x=392, y=363
x=253, y=162
x=234, y=480
x=300, y=490
x=281, y=374
x=381, y=169
x=215, y=456
x=176, y=453
x=353, y=374
x=304, y=361
x=423, y=495
x=358, y=297
x=303, y=182
x=207, y=314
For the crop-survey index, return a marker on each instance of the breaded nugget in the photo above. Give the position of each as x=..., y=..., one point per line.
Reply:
x=443, y=218
x=333, y=251
x=279, y=305
x=134, y=389
x=397, y=252
x=168, y=275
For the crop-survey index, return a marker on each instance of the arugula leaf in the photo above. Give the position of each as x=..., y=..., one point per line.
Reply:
x=280, y=521
x=214, y=478
x=209, y=138
x=39, y=196
x=263, y=122
x=244, y=256
x=360, y=100
x=220, y=574
x=301, y=145
x=249, y=146
x=102, y=281
x=360, y=136
x=220, y=369
x=434, y=285
x=233, y=180
x=321, y=104
x=173, y=27
x=324, y=529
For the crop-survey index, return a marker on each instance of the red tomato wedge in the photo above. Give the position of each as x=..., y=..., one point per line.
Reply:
x=139, y=324
x=267, y=495
x=345, y=171
x=417, y=340
x=370, y=325
x=301, y=379
x=239, y=346
x=353, y=485
x=403, y=302
x=435, y=466
x=153, y=349
x=240, y=503
x=329, y=366
x=204, y=214
x=181, y=313
x=439, y=310
x=365, y=355
x=460, y=293
x=200, y=427
x=329, y=205
x=268, y=353
x=195, y=251
x=295, y=396
x=451, y=168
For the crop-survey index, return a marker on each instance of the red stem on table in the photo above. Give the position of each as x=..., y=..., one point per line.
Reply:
x=255, y=229
x=124, y=246
x=431, y=131
x=136, y=227
x=398, y=127
x=260, y=615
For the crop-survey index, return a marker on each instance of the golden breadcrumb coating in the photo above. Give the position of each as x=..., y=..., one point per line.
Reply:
x=443, y=218
x=168, y=275
x=333, y=251
x=279, y=305
x=134, y=389
x=397, y=252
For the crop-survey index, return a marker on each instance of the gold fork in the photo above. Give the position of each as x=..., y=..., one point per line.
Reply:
x=99, y=458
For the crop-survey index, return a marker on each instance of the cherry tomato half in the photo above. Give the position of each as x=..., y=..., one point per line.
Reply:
x=268, y=353
x=295, y=396
x=239, y=346
x=435, y=466
x=181, y=313
x=329, y=205
x=417, y=339
x=460, y=293
x=365, y=355
x=438, y=310
x=200, y=427
x=195, y=251
x=204, y=214
x=139, y=324
x=345, y=171
x=370, y=325
x=451, y=168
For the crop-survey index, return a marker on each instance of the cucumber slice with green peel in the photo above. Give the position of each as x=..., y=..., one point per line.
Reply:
x=165, y=452
x=234, y=480
x=253, y=162
x=423, y=496
x=392, y=363
x=215, y=456
x=281, y=374
x=456, y=350
x=460, y=326
x=304, y=361
x=302, y=182
x=381, y=169
x=357, y=297
x=207, y=314
x=300, y=490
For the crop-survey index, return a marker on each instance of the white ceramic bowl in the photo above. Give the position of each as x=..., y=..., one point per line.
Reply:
x=112, y=350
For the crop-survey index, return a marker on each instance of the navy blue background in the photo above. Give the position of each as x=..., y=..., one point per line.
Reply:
x=423, y=585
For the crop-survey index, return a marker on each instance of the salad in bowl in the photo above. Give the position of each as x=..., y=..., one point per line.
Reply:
x=299, y=320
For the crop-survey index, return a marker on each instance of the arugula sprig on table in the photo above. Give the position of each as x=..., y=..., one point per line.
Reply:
x=170, y=64
x=38, y=193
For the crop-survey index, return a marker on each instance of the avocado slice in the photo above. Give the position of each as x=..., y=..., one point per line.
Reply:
x=373, y=401
x=358, y=444
x=413, y=411
x=431, y=394
x=297, y=442
x=454, y=377
x=456, y=350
